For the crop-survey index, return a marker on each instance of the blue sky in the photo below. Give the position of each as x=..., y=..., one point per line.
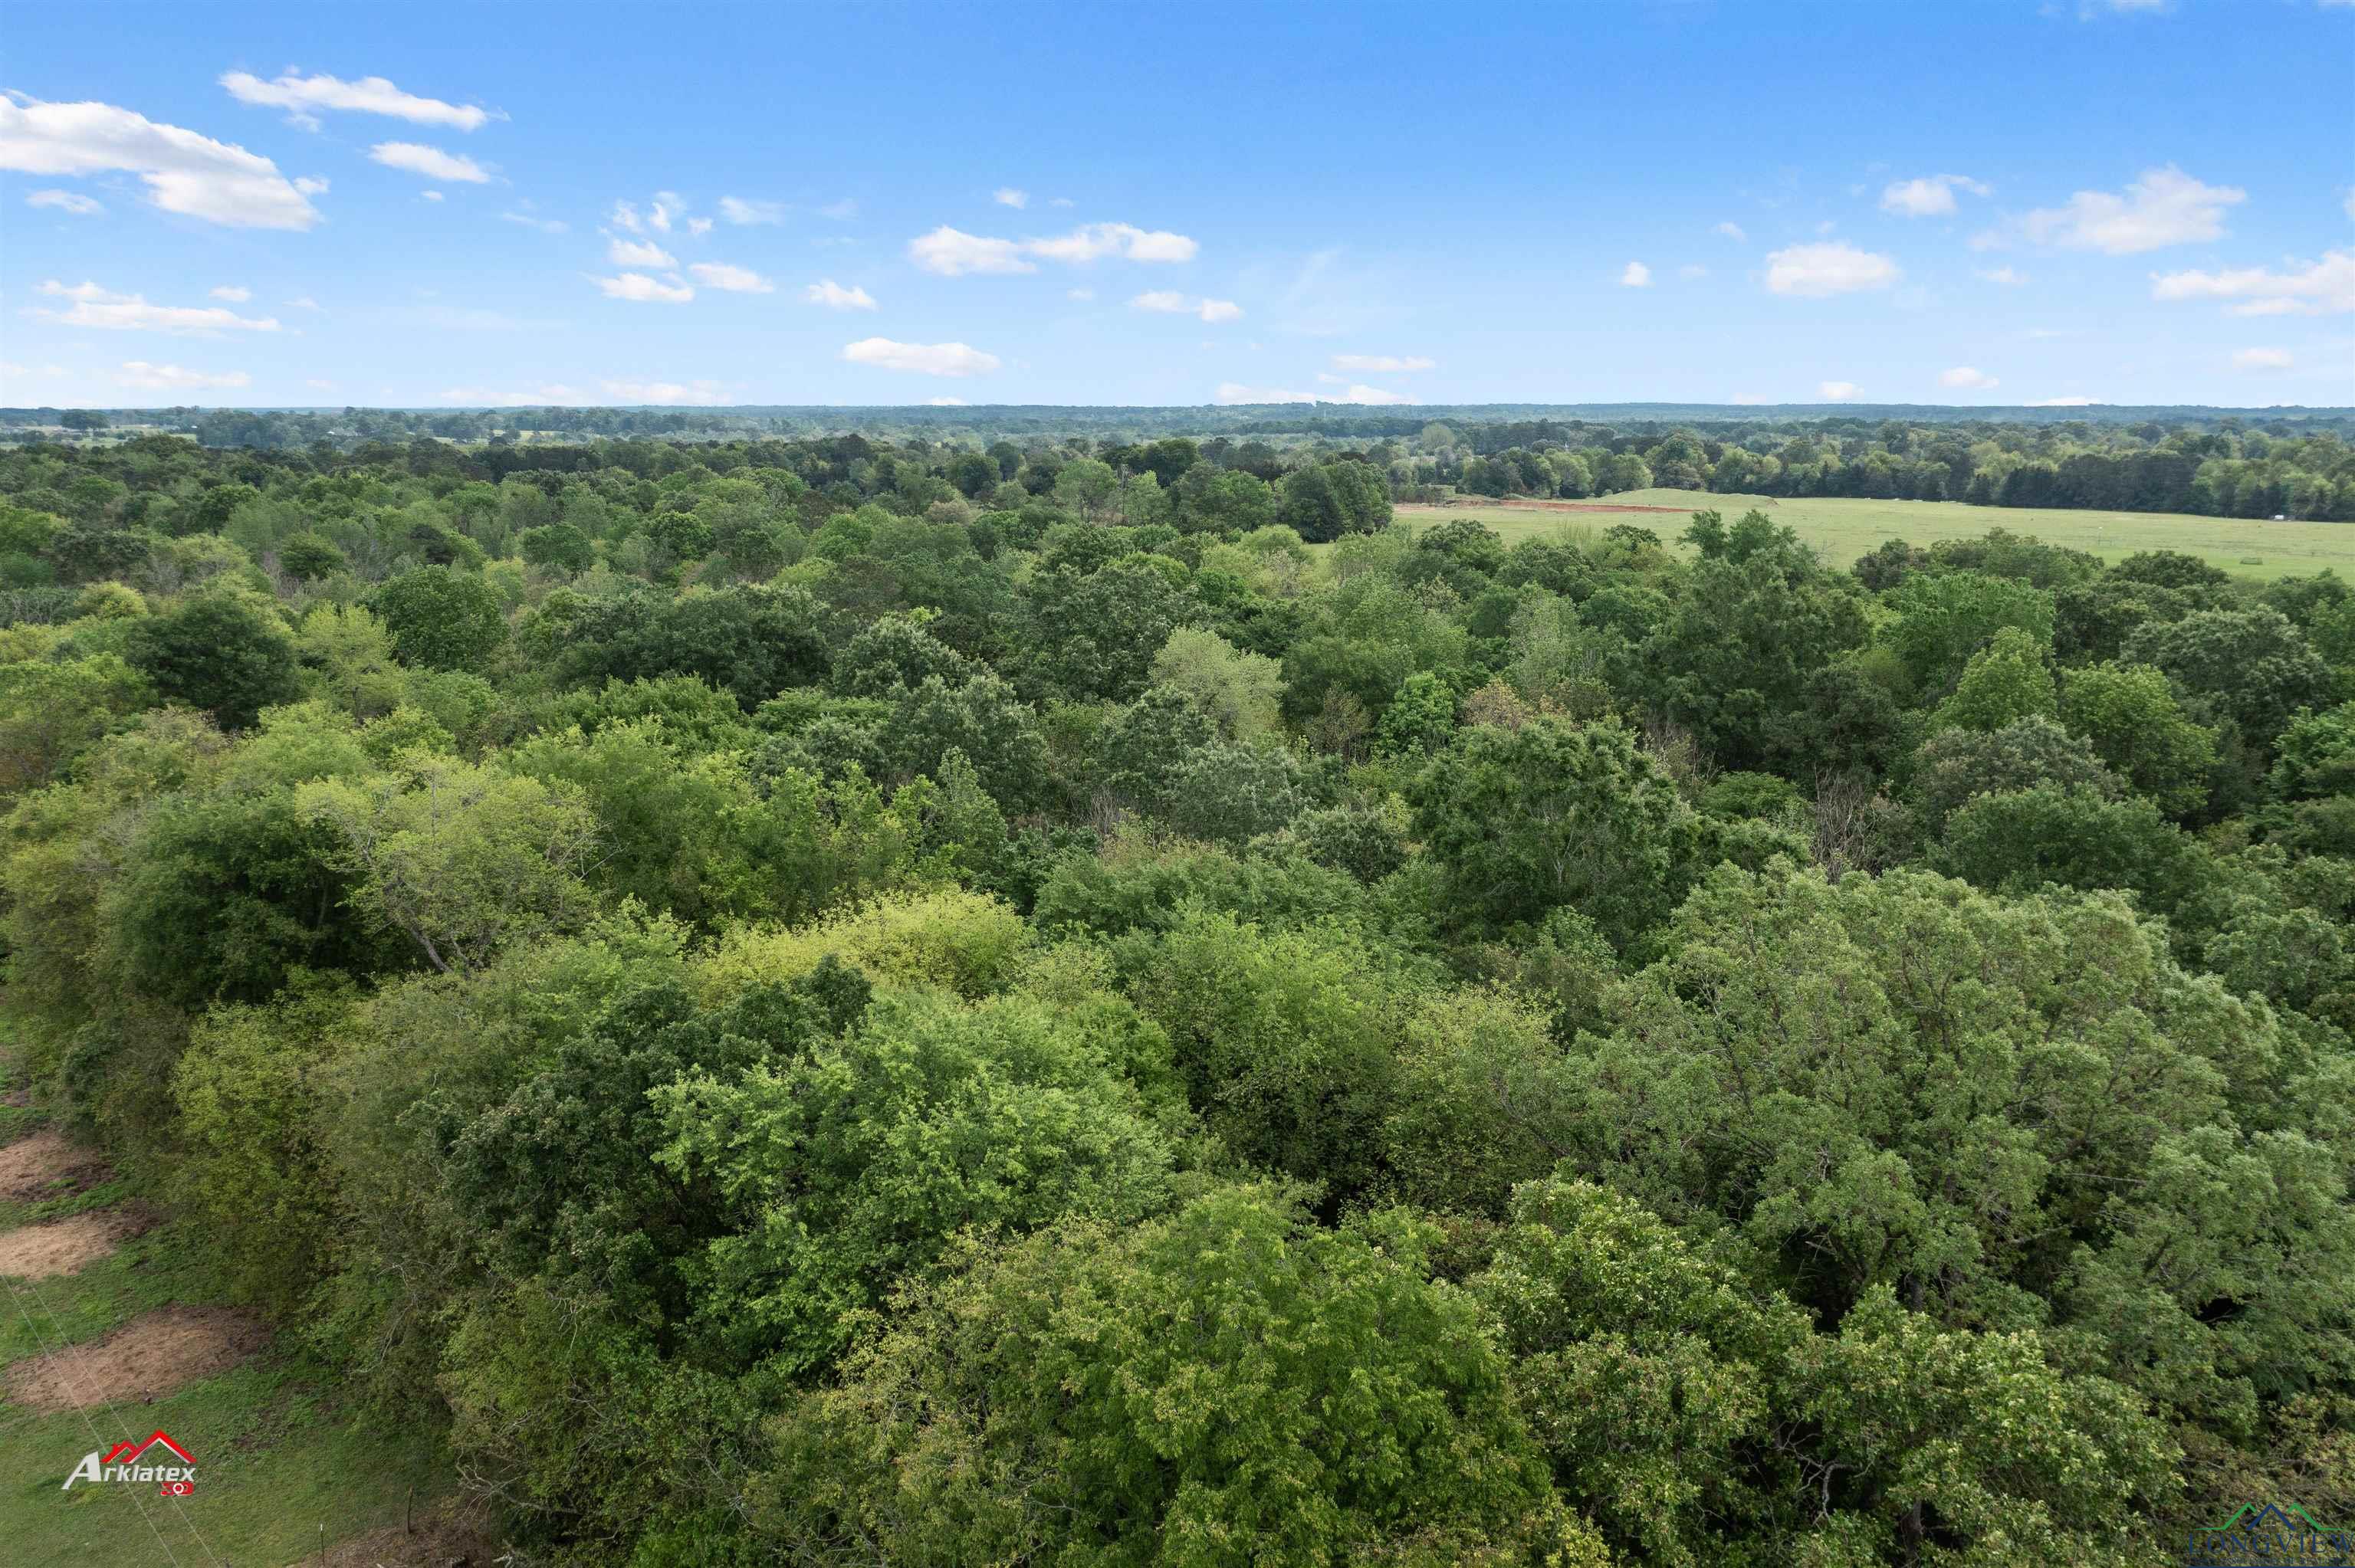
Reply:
x=1995, y=202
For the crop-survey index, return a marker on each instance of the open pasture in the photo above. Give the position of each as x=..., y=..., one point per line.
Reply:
x=1844, y=528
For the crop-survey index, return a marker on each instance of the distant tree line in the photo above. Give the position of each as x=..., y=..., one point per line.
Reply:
x=2207, y=463
x=2223, y=473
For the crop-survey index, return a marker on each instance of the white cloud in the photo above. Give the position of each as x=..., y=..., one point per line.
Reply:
x=2009, y=277
x=10, y=372
x=665, y=205
x=429, y=196
x=732, y=279
x=1236, y=392
x=233, y=293
x=417, y=158
x=1731, y=231
x=1965, y=377
x=1007, y=196
x=1092, y=240
x=698, y=226
x=1930, y=197
x=1081, y=295
x=303, y=302
x=951, y=252
x=1836, y=266
x=317, y=385
x=1169, y=301
x=1838, y=391
x=1636, y=275
x=923, y=358
x=1062, y=201
x=743, y=210
x=185, y=173
x=2321, y=288
x=1383, y=362
x=841, y=211
x=2262, y=359
x=639, y=287
x=302, y=95
x=544, y=225
x=835, y=297
x=624, y=252
x=946, y=403
x=2062, y=403
x=536, y=397
x=311, y=185
x=173, y=377
x=1692, y=269
x=97, y=307
x=699, y=392
x=65, y=201
x=2164, y=207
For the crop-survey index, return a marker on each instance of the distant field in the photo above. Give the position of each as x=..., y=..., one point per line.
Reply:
x=1845, y=529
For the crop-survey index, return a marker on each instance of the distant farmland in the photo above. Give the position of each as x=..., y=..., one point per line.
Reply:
x=1844, y=529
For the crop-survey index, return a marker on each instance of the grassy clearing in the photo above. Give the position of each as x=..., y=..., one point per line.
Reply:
x=1844, y=529
x=281, y=1468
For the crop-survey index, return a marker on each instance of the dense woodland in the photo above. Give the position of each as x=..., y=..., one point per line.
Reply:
x=2295, y=463
x=1098, y=1002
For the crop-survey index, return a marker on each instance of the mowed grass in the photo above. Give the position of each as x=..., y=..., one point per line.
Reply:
x=1843, y=529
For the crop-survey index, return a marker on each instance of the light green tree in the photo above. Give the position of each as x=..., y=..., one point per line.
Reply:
x=1226, y=1387
x=460, y=859
x=2130, y=716
x=1239, y=692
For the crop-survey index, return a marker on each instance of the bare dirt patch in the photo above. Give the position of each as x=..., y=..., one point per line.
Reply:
x=47, y=1166
x=68, y=1245
x=148, y=1357
x=442, y=1534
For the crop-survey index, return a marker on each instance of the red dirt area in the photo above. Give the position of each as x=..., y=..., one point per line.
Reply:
x=66, y=1245
x=47, y=1166
x=151, y=1355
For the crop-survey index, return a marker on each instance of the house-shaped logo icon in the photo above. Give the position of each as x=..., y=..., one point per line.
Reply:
x=2262, y=1535
x=127, y=1452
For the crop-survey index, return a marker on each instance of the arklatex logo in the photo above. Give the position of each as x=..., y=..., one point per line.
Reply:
x=124, y=1463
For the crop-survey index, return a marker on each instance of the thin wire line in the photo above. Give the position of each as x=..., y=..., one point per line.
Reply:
x=177, y=1507
x=18, y=1296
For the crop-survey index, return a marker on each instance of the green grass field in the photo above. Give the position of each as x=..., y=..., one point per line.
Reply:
x=1844, y=529
x=283, y=1467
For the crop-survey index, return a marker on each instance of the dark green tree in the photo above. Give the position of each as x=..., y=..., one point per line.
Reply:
x=218, y=652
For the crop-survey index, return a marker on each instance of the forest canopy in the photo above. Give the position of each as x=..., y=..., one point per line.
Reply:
x=1098, y=998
